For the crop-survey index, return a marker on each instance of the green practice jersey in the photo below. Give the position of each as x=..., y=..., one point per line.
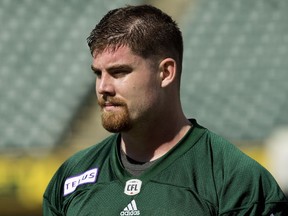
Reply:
x=202, y=175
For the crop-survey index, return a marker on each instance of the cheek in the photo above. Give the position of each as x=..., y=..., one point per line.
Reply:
x=140, y=92
x=143, y=98
x=96, y=87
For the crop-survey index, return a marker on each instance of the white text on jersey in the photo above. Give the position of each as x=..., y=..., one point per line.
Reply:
x=72, y=183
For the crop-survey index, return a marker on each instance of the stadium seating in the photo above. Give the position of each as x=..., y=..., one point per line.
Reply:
x=45, y=67
x=234, y=80
x=236, y=66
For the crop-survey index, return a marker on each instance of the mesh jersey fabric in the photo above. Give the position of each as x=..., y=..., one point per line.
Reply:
x=202, y=175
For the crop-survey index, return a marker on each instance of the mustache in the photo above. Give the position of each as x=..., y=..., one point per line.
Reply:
x=111, y=101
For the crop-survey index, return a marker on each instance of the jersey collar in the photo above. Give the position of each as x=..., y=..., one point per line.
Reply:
x=187, y=142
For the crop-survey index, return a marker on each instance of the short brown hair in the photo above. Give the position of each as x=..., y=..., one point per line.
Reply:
x=146, y=30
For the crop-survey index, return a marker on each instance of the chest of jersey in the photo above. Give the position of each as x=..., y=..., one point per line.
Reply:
x=135, y=198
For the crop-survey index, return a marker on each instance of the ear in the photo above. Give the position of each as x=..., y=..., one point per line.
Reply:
x=167, y=71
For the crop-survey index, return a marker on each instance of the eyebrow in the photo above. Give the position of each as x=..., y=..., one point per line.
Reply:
x=113, y=68
x=94, y=68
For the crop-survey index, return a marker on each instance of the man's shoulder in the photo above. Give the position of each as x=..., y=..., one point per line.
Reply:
x=231, y=157
x=227, y=158
x=239, y=179
x=98, y=149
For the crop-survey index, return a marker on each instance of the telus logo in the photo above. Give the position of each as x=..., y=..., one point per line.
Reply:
x=72, y=183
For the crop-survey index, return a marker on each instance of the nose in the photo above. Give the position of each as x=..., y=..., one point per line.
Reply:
x=104, y=85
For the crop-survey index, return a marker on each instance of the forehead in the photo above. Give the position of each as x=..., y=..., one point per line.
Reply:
x=122, y=54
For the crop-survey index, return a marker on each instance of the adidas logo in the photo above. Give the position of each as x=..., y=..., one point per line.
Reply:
x=131, y=209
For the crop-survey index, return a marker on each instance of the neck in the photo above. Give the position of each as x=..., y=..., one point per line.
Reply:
x=155, y=138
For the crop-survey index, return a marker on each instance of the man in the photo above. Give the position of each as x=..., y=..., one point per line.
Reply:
x=158, y=162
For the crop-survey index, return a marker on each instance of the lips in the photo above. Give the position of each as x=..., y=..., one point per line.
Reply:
x=110, y=104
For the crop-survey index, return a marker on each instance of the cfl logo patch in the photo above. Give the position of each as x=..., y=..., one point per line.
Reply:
x=133, y=187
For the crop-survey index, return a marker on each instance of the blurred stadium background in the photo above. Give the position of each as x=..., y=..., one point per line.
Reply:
x=234, y=82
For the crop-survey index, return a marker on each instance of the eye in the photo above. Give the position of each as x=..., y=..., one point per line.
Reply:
x=120, y=72
x=98, y=73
